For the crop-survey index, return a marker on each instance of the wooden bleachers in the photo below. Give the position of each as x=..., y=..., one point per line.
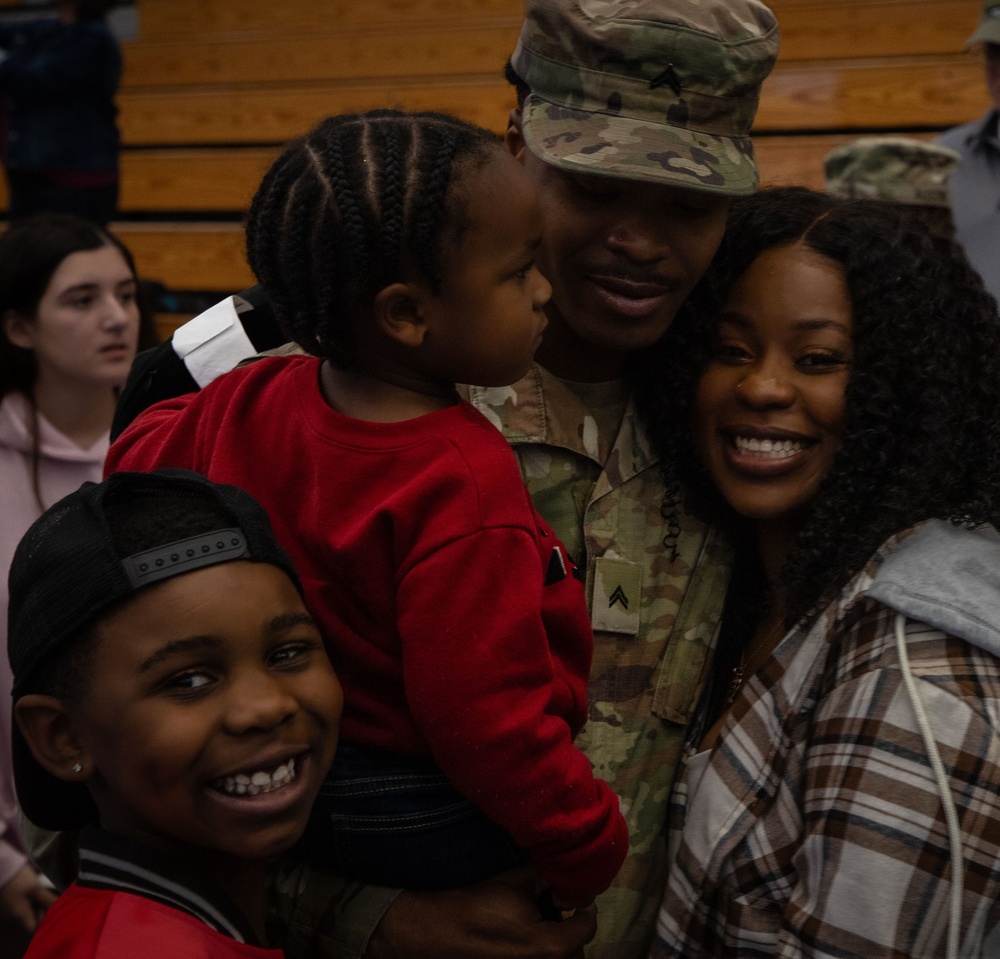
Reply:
x=853, y=67
x=195, y=18
x=212, y=88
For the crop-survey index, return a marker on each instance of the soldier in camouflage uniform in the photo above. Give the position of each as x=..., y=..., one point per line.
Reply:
x=634, y=120
x=899, y=170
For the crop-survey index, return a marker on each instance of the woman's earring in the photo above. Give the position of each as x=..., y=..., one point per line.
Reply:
x=77, y=768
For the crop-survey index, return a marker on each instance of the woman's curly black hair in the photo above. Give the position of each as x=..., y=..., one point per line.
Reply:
x=921, y=433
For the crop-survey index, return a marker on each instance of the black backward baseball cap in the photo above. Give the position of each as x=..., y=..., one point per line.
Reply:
x=67, y=573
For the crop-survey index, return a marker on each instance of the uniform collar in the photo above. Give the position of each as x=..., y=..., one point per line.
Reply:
x=115, y=863
x=540, y=409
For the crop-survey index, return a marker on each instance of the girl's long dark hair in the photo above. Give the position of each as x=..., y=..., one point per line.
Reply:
x=30, y=253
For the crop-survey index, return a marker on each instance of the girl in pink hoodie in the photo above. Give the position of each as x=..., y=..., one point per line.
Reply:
x=68, y=329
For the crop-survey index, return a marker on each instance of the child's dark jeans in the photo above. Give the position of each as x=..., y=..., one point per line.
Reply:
x=395, y=820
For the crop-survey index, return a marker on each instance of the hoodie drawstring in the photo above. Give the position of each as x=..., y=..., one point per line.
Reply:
x=944, y=788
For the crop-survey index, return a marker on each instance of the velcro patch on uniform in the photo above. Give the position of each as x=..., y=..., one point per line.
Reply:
x=617, y=592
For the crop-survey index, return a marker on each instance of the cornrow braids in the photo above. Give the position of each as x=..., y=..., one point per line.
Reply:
x=360, y=202
x=395, y=186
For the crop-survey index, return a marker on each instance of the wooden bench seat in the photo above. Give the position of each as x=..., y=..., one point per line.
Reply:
x=402, y=51
x=223, y=180
x=203, y=256
x=873, y=29
x=275, y=114
x=893, y=93
x=448, y=46
x=852, y=29
x=213, y=180
x=166, y=323
x=193, y=18
x=811, y=29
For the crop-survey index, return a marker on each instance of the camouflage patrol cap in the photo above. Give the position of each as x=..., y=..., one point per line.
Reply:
x=657, y=90
x=896, y=169
x=988, y=30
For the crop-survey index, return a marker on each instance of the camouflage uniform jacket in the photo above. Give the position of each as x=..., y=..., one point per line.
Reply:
x=655, y=619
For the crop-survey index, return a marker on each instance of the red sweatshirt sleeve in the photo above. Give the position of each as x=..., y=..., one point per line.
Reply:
x=150, y=444
x=479, y=626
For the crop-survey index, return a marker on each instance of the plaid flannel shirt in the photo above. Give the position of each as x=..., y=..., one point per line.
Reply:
x=817, y=828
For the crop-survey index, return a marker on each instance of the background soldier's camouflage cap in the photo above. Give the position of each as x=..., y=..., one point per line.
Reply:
x=988, y=30
x=660, y=90
x=896, y=169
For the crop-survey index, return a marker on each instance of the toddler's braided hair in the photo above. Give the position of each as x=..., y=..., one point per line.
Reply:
x=360, y=202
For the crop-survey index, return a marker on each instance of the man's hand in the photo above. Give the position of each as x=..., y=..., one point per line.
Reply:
x=494, y=919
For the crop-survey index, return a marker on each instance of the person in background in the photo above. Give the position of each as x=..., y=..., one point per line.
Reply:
x=68, y=328
x=839, y=414
x=58, y=136
x=900, y=170
x=975, y=185
x=634, y=123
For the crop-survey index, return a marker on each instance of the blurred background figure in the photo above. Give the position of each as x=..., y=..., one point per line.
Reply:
x=899, y=170
x=975, y=187
x=68, y=328
x=58, y=79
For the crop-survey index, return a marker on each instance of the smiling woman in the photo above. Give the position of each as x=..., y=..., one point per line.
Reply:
x=770, y=403
x=832, y=399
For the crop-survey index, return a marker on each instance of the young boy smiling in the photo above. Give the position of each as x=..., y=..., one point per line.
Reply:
x=174, y=699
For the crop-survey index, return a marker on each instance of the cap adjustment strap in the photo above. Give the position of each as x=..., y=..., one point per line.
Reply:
x=185, y=555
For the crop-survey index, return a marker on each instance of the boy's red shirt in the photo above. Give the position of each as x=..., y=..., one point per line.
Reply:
x=89, y=923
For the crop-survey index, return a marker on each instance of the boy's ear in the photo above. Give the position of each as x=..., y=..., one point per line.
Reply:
x=47, y=728
x=18, y=329
x=513, y=138
x=399, y=313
